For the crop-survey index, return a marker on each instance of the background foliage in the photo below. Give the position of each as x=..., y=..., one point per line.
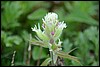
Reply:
x=81, y=17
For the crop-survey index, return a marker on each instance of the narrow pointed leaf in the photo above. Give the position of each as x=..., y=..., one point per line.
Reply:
x=64, y=55
x=71, y=50
x=39, y=43
x=46, y=62
x=42, y=36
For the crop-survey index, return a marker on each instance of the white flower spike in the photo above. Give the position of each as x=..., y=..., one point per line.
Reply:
x=51, y=32
x=50, y=18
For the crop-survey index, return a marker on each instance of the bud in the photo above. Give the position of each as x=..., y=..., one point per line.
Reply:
x=52, y=33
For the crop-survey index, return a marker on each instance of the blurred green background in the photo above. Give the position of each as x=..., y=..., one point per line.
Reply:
x=81, y=17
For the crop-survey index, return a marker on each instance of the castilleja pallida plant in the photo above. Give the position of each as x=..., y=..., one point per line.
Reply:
x=49, y=36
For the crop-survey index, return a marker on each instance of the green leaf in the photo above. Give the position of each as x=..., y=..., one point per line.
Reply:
x=74, y=63
x=42, y=36
x=27, y=6
x=61, y=13
x=25, y=35
x=71, y=50
x=39, y=43
x=12, y=40
x=82, y=12
x=82, y=6
x=36, y=53
x=64, y=55
x=3, y=35
x=67, y=45
x=81, y=17
x=17, y=40
x=46, y=62
x=9, y=17
x=90, y=30
x=9, y=44
x=38, y=14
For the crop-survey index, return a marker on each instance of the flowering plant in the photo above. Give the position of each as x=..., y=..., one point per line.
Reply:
x=48, y=37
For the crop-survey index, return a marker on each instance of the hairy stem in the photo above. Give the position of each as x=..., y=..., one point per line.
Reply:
x=52, y=62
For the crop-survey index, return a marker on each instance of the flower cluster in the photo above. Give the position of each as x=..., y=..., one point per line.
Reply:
x=52, y=30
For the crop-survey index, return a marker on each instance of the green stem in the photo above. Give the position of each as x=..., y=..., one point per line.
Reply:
x=51, y=54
